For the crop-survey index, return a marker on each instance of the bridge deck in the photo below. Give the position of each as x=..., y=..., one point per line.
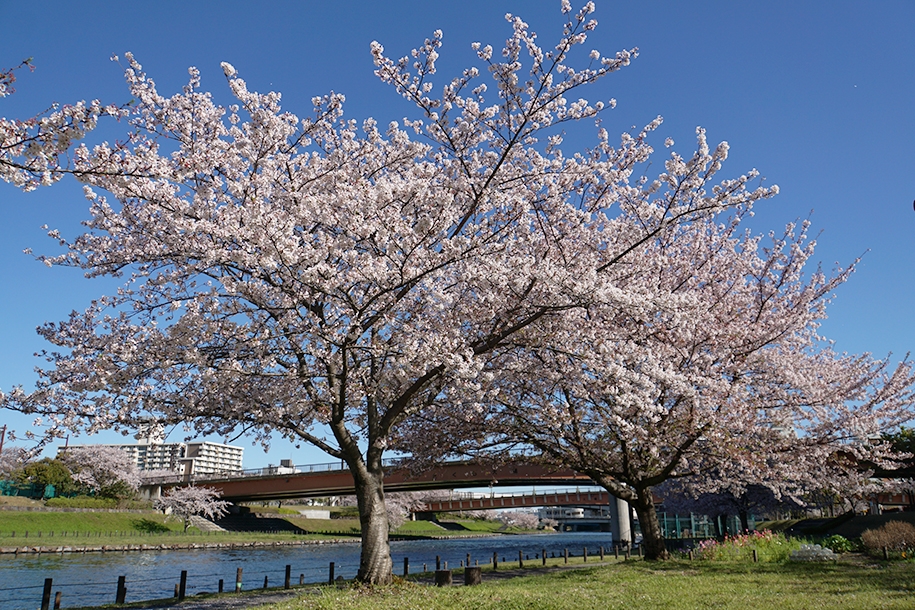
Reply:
x=340, y=482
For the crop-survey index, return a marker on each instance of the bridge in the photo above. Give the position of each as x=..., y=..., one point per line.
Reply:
x=317, y=480
x=507, y=501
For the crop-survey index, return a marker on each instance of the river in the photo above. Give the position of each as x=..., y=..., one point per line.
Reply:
x=91, y=578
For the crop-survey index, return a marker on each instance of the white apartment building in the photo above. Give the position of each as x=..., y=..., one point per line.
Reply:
x=184, y=458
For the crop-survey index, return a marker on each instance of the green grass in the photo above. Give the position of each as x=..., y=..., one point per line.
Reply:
x=479, y=526
x=329, y=526
x=635, y=584
x=421, y=528
x=82, y=522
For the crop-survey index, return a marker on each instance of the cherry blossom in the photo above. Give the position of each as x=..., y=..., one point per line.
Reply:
x=188, y=501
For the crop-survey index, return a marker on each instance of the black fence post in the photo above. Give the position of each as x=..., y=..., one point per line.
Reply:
x=438, y=563
x=406, y=566
x=122, y=590
x=286, y=583
x=543, y=556
x=46, y=594
x=220, y=585
x=330, y=579
x=565, y=555
x=520, y=559
x=495, y=561
x=601, y=553
x=265, y=581
x=182, y=585
x=584, y=554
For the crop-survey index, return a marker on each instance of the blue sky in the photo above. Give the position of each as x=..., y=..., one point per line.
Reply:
x=819, y=96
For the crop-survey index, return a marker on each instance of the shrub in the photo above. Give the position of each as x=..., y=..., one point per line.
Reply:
x=770, y=546
x=838, y=544
x=894, y=536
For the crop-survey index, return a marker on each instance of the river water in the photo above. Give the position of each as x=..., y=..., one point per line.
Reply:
x=91, y=578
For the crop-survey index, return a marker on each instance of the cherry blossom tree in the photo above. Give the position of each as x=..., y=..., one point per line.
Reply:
x=711, y=360
x=108, y=471
x=13, y=459
x=733, y=497
x=188, y=501
x=524, y=520
x=294, y=276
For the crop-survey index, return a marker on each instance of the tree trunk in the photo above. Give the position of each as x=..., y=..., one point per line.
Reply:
x=375, y=565
x=652, y=539
x=744, y=520
x=719, y=527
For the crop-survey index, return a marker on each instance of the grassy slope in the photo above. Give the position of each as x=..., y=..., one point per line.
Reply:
x=634, y=585
x=19, y=522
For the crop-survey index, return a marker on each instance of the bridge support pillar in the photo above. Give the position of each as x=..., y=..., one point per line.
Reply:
x=620, y=525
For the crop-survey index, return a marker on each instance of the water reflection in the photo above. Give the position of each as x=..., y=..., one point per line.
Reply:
x=91, y=578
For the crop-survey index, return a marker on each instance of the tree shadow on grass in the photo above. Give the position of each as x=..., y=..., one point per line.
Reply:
x=149, y=526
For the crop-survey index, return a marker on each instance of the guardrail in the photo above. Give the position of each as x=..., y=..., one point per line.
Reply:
x=266, y=471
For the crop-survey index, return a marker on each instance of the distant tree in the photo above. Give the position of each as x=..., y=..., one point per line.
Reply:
x=185, y=502
x=903, y=442
x=11, y=460
x=732, y=498
x=47, y=471
x=484, y=514
x=521, y=519
x=108, y=472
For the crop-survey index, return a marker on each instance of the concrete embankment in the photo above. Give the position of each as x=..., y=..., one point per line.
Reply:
x=116, y=548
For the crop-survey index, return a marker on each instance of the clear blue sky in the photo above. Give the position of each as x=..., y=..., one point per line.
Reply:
x=819, y=96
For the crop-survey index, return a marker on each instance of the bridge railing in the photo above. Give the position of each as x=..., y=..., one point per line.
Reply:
x=479, y=495
x=266, y=471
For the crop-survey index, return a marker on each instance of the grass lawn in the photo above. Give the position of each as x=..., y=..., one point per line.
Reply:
x=636, y=584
